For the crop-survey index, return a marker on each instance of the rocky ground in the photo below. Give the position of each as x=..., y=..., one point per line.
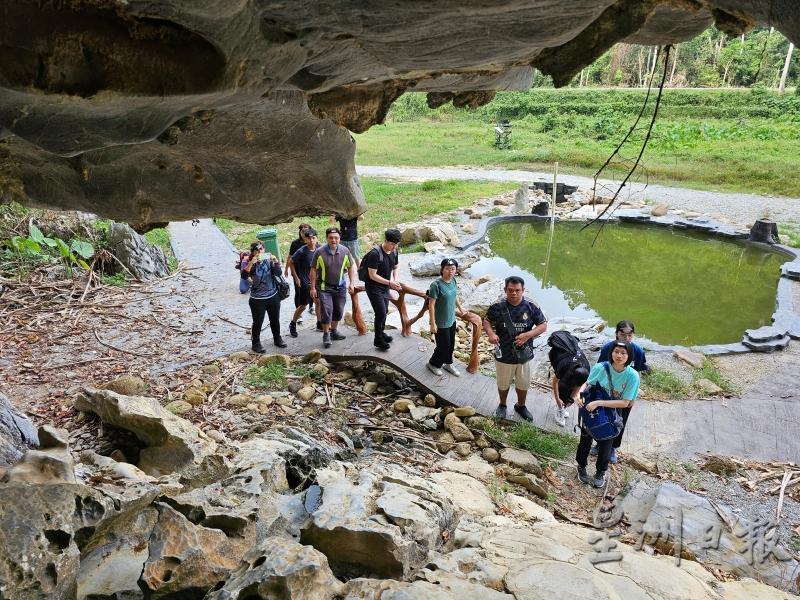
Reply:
x=246, y=456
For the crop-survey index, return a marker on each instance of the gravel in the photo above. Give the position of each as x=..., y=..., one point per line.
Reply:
x=735, y=209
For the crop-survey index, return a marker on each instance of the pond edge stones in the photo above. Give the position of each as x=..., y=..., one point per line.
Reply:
x=785, y=320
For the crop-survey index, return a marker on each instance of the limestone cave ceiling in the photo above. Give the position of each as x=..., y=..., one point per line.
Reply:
x=154, y=110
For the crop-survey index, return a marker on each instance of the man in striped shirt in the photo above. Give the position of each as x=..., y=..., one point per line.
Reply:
x=329, y=283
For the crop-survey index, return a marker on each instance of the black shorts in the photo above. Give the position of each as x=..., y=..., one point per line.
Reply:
x=302, y=296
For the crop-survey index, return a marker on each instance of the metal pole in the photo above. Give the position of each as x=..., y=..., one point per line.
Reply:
x=552, y=225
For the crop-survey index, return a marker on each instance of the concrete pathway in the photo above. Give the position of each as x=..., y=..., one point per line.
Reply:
x=736, y=209
x=764, y=425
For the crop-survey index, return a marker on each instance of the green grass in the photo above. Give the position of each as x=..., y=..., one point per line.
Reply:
x=528, y=437
x=116, y=280
x=267, y=377
x=660, y=383
x=791, y=229
x=727, y=141
x=160, y=237
x=710, y=372
x=388, y=203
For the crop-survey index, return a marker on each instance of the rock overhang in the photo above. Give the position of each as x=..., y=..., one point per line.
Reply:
x=153, y=111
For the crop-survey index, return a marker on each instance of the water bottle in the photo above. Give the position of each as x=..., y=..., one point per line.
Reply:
x=498, y=353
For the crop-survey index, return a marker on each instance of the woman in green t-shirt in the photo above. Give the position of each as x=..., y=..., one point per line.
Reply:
x=443, y=308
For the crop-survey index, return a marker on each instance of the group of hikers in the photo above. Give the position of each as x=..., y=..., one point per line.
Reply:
x=324, y=274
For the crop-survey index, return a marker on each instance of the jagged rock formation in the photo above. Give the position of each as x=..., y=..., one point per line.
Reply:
x=295, y=517
x=153, y=111
x=17, y=433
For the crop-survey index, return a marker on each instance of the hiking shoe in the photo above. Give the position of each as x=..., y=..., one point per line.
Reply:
x=336, y=336
x=278, y=341
x=292, y=329
x=599, y=479
x=523, y=412
x=387, y=338
x=593, y=451
x=381, y=345
x=583, y=476
x=258, y=349
x=613, y=458
x=435, y=370
x=561, y=417
x=452, y=370
x=326, y=340
x=500, y=412
x=319, y=326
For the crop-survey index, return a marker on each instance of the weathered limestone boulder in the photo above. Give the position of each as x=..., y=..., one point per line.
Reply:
x=659, y=210
x=17, y=433
x=530, y=482
x=721, y=465
x=108, y=467
x=52, y=463
x=52, y=524
x=281, y=568
x=275, y=359
x=457, y=429
x=113, y=561
x=383, y=523
x=184, y=556
x=127, y=385
x=708, y=387
x=468, y=564
x=249, y=496
x=178, y=407
x=173, y=444
x=434, y=230
x=195, y=396
x=693, y=359
x=475, y=467
x=483, y=296
x=445, y=587
x=467, y=493
x=730, y=545
x=522, y=459
x=521, y=200
x=139, y=256
x=429, y=265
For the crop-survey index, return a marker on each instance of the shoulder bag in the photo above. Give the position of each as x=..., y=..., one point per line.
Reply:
x=604, y=423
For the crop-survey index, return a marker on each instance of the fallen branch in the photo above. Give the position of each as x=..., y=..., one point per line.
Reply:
x=107, y=345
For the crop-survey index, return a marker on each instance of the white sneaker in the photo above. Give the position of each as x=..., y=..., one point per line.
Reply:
x=435, y=370
x=562, y=414
x=452, y=370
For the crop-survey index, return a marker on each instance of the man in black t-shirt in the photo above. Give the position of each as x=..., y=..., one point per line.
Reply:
x=300, y=265
x=511, y=325
x=382, y=268
x=348, y=229
x=296, y=244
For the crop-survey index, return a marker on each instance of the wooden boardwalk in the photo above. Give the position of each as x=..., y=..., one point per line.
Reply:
x=763, y=425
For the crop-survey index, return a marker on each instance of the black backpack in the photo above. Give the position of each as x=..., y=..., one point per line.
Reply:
x=565, y=352
x=363, y=269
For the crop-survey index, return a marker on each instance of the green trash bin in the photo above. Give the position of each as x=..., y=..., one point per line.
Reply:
x=269, y=237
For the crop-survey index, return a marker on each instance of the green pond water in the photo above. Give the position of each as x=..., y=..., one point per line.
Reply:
x=677, y=286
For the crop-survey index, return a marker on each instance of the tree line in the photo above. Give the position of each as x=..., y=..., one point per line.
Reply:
x=761, y=57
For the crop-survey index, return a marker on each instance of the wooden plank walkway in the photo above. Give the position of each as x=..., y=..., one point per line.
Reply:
x=764, y=425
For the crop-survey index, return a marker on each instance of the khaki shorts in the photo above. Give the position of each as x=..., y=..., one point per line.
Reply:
x=520, y=375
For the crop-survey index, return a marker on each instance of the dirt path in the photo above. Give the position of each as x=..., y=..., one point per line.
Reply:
x=735, y=209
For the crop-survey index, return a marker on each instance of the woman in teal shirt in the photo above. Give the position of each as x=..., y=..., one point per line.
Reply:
x=623, y=389
x=443, y=307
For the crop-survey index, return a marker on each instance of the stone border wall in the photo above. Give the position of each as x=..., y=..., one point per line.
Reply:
x=785, y=319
